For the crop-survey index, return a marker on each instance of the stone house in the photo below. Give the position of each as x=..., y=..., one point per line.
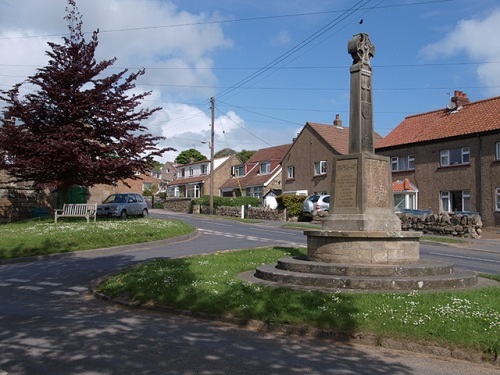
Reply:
x=260, y=174
x=451, y=156
x=307, y=166
x=193, y=180
x=168, y=174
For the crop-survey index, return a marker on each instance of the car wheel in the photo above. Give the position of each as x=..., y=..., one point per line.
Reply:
x=123, y=215
x=145, y=213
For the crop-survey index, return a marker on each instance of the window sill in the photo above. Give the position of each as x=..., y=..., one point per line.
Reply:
x=403, y=171
x=454, y=166
x=319, y=175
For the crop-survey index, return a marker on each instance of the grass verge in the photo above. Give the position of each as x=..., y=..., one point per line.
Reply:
x=42, y=237
x=461, y=319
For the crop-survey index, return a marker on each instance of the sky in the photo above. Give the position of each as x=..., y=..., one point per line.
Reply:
x=270, y=65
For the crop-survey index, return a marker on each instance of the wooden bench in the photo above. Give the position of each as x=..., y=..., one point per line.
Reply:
x=77, y=210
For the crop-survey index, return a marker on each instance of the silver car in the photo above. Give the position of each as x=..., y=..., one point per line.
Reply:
x=315, y=203
x=123, y=205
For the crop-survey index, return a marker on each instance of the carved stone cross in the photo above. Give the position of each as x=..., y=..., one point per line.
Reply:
x=361, y=115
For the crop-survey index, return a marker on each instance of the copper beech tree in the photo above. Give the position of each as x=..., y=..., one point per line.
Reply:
x=78, y=127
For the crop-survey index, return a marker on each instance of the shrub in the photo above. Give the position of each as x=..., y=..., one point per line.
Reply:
x=227, y=201
x=293, y=203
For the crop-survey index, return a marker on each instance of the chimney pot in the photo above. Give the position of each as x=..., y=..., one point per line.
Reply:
x=460, y=98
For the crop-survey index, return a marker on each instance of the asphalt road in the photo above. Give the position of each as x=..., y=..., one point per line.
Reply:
x=50, y=324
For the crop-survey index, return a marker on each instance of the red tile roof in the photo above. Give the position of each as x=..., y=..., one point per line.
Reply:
x=337, y=136
x=404, y=185
x=471, y=118
x=253, y=178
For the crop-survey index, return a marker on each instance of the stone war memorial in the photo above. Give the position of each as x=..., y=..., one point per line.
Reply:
x=361, y=245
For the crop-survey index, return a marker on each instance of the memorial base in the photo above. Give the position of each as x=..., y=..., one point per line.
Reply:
x=363, y=247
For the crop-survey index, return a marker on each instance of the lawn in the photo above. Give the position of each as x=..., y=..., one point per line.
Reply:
x=209, y=284
x=41, y=237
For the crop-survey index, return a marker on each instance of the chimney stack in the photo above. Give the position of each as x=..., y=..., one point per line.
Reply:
x=460, y=98
x=337, y=121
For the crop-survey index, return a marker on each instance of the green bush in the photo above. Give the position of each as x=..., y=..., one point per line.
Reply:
x=293, y=203
x=227, y=201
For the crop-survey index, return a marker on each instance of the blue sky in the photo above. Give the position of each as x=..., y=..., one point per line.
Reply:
x=271, y=65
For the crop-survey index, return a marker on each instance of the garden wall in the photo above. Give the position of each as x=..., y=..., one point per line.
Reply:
x=443, y=224
x=177, y=204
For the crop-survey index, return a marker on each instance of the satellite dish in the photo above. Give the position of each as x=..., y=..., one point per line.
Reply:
x=451, y=106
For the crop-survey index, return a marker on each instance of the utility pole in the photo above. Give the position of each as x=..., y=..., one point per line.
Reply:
x=212, y=102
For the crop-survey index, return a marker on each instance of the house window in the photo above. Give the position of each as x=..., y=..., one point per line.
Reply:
x=192, y=191
x=191, y=171
x=455, y=201
x=238, y=171
x=406, y=200
x=497, y=192
x=291, y=173
x=183, y=172
x=404, y=163
x=204, y=168
x=497, y=146
x=265, y=167
x=455, y=156
x=257, y=192
x=147, y=186
x=320, y=167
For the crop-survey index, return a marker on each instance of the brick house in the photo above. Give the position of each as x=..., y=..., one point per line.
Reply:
x=145, y=181
x=452, y=155
x=193, y=180
x=306, y=166
x=260, y=174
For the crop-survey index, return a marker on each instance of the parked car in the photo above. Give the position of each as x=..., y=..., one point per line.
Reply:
x=315, y=203
x=123, y=205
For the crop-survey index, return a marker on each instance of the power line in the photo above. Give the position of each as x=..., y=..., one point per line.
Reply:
x=248, y=19
x=295, y=49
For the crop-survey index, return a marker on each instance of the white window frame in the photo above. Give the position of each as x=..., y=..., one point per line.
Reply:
x=402, y=163
x=445, y=157
x=291, y=172
x=191, y=171
x=497, y=150
x=204, y=168
x=447, y=201
x=320, y=168
x=497, y=193
x=147, y=186
x=265, y=167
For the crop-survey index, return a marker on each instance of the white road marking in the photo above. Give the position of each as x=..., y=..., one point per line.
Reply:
x=17, y=280
x=48, y=283
x=33, y=288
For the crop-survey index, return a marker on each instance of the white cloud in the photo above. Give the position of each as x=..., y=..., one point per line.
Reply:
x=476, y=38
x=282, y=38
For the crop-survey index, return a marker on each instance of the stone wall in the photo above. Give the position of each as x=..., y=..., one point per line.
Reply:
x=467, y=226
x=20, y=204
x=177, y=204
x=259, y=213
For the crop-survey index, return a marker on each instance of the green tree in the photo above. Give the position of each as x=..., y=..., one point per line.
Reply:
x=244, y=155
x=79, y=127
x=224, y=152
x=189, y=156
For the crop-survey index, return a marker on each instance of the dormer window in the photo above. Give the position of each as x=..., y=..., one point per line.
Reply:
x=265, y=167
